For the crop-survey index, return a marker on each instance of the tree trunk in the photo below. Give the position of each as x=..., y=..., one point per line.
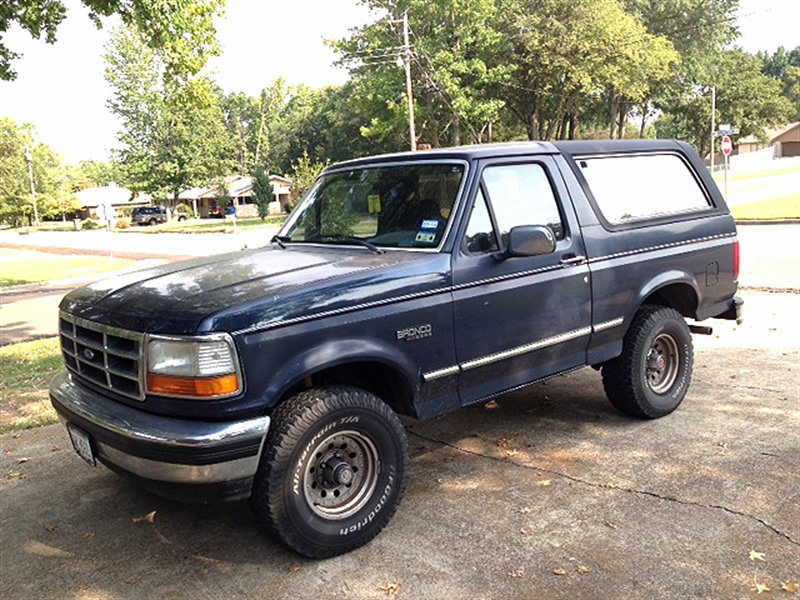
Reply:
x=643, y=126
x=456, y=130
x=623, y=119
x=532, y=127
x=614, y=111
x=573, y=125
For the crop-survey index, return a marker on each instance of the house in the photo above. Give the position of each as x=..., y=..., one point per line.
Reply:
x=95, y=201
x=240, y=189
x=785, y=141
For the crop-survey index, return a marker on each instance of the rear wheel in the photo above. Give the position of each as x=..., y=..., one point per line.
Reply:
x=152, y=222
x=332, y=472
x=652, y=375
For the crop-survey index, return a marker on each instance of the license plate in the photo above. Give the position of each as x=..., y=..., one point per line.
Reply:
x=82, y=444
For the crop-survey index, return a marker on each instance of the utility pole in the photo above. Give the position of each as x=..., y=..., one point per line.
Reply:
x=29, y=160
x=713, y=125
x=409, y=92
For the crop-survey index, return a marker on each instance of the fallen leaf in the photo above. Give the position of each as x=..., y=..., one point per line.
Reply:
x=55, y=449
x=439, y=480
x=491, y=405
x=23, y=460
x=148, y=518
x=390, y=588
x=526, y=532
x=89, y=535
x=51, y=528
x=560, y=571
x=790, y=586
x=294, y=568
x=583, y=570
x=754, y=556
x=545, y=482
x=516, y=573
x=761, y=587
x=611, y=525
x=511, y=453
x=610, y=486
x=524, y=510
x=16, y=475
x=502, y=442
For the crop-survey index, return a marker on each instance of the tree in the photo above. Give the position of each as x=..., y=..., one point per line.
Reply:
x=305, y=172
x=182, y=30
x=453, y=44
x=99, y=173
x=568, y=54
x=173, y=134
x=746, y=98
x=785, y=66
x=262, y=190
x=54, y=181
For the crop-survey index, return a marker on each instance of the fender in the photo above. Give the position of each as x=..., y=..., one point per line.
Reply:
x=661, y=281
x=334, y=353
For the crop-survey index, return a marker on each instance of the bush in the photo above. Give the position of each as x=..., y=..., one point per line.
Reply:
x=122, y=224
x=89, y=224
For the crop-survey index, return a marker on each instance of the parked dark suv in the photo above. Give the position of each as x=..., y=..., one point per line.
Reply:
x=413, y=283
x=152, y=215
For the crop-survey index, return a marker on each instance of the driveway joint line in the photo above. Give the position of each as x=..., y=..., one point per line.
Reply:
x=611, y=486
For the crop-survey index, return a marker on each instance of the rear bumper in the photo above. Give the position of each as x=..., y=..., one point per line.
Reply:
x=172, y=457
x=731, y=310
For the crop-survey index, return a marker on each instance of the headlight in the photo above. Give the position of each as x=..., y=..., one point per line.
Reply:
x=203, y=367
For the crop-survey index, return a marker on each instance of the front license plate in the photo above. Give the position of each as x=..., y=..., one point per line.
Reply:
x=82, y=444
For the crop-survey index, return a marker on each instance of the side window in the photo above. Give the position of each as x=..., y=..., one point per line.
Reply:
x=480, y=237
x=522, y=195
x=633, y=187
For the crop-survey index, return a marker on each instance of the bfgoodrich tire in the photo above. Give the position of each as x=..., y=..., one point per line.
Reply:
x=333, y=471
x=652, y=375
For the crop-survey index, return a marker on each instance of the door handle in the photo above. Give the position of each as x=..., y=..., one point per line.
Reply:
x=569, y=260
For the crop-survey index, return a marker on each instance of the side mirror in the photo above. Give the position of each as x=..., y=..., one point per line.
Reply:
x=529, y=240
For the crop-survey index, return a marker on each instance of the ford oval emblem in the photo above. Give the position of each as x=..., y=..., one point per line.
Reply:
x=88, y=354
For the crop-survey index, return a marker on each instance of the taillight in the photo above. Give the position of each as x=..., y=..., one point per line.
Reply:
x=735, y=258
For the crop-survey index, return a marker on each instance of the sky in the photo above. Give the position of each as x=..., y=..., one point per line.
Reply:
x=61, y=90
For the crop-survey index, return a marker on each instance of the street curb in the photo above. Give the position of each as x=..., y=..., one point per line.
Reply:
x=767, y=222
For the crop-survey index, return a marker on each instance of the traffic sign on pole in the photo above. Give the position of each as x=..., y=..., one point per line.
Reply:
x=727, y=146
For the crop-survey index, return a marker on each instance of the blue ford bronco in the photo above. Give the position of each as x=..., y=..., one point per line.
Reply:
x=411, y=284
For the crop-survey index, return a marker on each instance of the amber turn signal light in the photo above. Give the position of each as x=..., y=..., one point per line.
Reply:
x=207, y=387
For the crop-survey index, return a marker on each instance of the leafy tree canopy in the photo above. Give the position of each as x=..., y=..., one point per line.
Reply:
x=182, y=30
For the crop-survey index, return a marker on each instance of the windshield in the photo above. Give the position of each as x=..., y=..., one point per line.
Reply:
x=394, y=206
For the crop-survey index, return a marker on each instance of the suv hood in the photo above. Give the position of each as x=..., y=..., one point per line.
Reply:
x=255, y=289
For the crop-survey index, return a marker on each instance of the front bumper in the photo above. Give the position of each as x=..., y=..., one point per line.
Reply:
x=173, y=457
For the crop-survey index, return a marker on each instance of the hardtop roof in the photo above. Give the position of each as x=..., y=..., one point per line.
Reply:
x=511, y=149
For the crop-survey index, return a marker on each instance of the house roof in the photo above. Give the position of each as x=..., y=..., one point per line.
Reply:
x=771, y=133
x=238, y=186
x=109, y=194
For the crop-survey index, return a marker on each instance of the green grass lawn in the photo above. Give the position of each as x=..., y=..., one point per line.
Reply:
x=24, y=266
x=719, y=176
x=785, y=207
x=25, y=373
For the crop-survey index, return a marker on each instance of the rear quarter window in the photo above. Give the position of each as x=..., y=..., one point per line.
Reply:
x=636, y=187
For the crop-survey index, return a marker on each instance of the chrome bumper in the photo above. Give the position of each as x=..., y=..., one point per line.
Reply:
x=158, y=448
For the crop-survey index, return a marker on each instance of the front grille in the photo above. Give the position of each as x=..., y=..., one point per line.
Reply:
x=105, y=356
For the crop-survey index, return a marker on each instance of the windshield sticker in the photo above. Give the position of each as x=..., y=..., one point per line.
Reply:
x=432, y=224
x=374, y=202
x=425, y=237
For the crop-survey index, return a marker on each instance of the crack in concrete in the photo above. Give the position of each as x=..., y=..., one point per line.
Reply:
x=611, y=487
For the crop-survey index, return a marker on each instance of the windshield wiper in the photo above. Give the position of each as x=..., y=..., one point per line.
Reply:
x=347, y=239
x=281, y=240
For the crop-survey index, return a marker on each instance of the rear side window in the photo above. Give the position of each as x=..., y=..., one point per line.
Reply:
x=635, y=187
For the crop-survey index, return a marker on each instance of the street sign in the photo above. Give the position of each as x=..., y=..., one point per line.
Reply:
x=727, y=146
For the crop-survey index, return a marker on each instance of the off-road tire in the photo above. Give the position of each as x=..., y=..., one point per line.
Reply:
x=362, y=431
x=633, y=382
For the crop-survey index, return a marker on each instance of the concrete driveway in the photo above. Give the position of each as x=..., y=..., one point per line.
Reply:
x=550, y=494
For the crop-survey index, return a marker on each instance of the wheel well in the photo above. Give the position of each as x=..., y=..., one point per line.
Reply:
x=382, y=380
x=679, y=296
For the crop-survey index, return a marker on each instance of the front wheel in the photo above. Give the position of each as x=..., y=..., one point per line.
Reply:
x=332, y=472
x=652, y=375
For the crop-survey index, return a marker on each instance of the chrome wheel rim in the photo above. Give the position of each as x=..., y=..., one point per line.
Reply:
x=341, y=475
x=661, y=363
